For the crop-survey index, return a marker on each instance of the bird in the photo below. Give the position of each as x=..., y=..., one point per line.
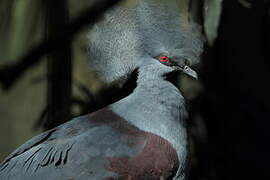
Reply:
x=142, y=136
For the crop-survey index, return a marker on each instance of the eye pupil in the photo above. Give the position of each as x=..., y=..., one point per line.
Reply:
x=164, y=58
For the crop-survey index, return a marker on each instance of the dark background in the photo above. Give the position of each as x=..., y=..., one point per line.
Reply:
x=44, y=81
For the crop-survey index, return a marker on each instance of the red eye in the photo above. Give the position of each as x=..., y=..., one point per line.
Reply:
x=164, y=58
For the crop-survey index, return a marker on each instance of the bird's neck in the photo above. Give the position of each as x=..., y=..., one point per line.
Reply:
x=157, y=96
x=154, y=100
x=156, y=106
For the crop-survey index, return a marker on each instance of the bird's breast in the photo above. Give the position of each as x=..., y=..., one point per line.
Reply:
x=157, y=160
x=154, y=157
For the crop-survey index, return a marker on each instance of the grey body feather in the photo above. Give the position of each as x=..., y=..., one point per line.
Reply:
x=126, y=39
x=78, y=149
x=75, y=150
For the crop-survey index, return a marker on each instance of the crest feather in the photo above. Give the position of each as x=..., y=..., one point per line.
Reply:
x=127, y=34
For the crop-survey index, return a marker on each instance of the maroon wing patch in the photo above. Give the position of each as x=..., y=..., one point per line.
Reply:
x=156, y=160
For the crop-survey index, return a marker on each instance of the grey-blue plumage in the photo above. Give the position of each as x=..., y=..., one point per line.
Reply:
x=140, y=137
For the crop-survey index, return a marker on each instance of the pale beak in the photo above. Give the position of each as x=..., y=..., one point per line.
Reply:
x=187, y=70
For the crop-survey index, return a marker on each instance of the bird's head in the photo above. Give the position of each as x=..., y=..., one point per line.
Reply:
x=150, y=31
x=176, y=63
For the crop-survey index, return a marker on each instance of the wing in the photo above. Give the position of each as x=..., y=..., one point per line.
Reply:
x=99, y=146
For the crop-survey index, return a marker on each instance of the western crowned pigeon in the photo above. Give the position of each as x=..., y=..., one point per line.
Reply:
x=140, y=137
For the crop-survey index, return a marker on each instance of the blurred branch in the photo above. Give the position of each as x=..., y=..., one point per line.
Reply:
x=10, y=73
x=59, y=66
x=212, y=13
x=6, y=15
